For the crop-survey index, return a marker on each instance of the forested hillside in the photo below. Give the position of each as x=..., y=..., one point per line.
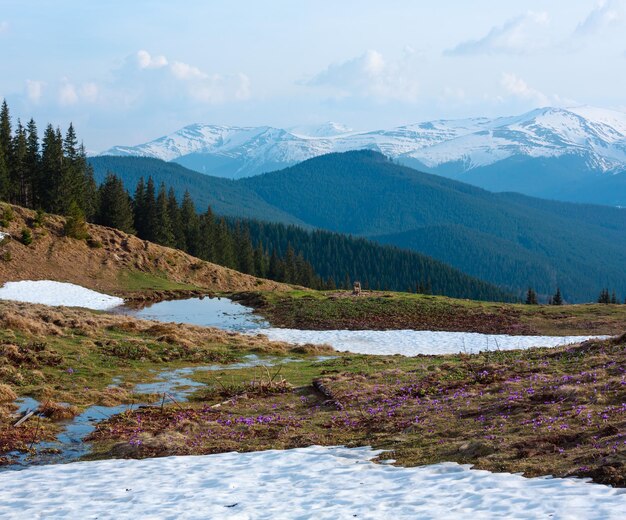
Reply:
x=507, y=239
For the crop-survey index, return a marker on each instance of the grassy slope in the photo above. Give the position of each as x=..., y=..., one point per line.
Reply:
x=386, y=310
x=124, y=264
x=63, y=355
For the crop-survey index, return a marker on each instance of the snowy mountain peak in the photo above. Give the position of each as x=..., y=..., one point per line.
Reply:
x=328, y=129
x=595, y=136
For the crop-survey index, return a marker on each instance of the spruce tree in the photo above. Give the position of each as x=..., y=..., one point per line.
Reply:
x=33, y=164
x=4, y=178
x=176, y=220
x=150, y=213
x=18, y=172
x=164, y=233
x=191, y=224
x=604, y=297
x=115, y=208
x=75, y=225
x=531, y=297
x=5, y=132
x=139, y=208
x=557, y=299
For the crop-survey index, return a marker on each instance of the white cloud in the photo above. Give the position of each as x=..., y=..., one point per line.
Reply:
x=71, y=94
x=67, y=93
x=519, y=88
x=607, y=13
x=370, y=75
x=520, y=35
x=34, y=90
x=89, y=92
x=146, y=78
x=186, y=72
x=146, y=61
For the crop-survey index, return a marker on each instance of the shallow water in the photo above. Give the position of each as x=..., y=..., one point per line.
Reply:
x=232, y=316
x=206, y=312
x=70, y=446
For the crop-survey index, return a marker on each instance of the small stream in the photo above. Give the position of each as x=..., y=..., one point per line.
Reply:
x=70, y=446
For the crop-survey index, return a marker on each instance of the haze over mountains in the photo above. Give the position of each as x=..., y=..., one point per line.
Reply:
x=507, y=239
x=575, y=154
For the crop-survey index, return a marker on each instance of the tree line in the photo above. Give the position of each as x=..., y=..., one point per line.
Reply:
x=156, y=215
x=52, y=174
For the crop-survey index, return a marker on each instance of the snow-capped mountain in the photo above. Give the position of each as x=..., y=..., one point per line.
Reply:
x=530, y=153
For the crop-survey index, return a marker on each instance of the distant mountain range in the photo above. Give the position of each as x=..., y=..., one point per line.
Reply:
x=507, y=239
x=575, y=154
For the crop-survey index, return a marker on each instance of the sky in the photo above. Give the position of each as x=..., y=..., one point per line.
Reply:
x=125, y=72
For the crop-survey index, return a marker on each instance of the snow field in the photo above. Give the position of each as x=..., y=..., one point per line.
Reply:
x=47, y=292
x=414, y=342
x=314, y=482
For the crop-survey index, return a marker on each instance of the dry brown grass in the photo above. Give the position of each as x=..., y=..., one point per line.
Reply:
x=40, y=320
x=7, y=394
x=57, y=411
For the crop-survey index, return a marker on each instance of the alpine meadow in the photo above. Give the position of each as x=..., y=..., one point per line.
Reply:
x=314, y=260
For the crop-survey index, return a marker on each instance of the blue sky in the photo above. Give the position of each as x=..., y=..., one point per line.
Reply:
x=126, y=72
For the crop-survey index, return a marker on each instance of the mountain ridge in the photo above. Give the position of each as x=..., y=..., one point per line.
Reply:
x=515, y=240
x=576, y=154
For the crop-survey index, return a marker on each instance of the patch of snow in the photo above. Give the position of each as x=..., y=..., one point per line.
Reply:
x=4, y=235
x=414, y=342
x=48, y=292
x=315, y=482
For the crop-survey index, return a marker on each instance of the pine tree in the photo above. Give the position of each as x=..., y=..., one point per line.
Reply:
x=52, y=171
x=531, y=297
x=164, y=232
x=191, y=224
x=5, y=132
x=150, y=213
x=613, y=298
x=18, y=172
x=33, y=164
x=139, y=208
x=75, y=225
x=176, y=220
x=89, y=199
x=115, y=209
x=604, y=297
x=557, y=299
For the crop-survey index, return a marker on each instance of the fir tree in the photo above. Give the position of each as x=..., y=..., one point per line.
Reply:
x=115, y=208
x=150, y=215
x=139, y=208
x=164, y=233
x=557, y=299
x=176, y=220
x=5, y=132
x=75, y=225
x=531, y=297
x=604, y=297
x=33, y=164
x=18, y=172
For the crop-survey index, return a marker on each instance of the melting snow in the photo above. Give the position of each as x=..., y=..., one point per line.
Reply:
x=47, y=292
x=413, y=342
x=315, y=482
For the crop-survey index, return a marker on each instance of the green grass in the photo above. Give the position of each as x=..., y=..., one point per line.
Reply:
x=135, y=281
x=393, y=310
